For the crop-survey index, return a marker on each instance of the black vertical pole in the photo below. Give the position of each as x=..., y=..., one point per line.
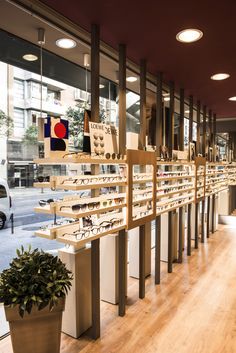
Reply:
x=197, y=151
x=181, y=146
x=213, y=196
x=95, y=244
x=122, y=236
x=159, y=134
x=142, y=143
x=204, y=154
x=158, y=251
x=210, y=145
x=170, y=148
x=189, y=235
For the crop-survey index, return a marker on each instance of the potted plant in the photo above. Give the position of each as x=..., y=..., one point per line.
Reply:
x=33, y=291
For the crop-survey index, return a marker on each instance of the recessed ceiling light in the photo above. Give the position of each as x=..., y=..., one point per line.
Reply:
x=233, y=99
x=101, y=86
x=218, y=77
x=66, y=43
x=165, y=94
x=187, y=111
x=166, y=99
x=30, y=57
x=131, y=79
x=189, y=35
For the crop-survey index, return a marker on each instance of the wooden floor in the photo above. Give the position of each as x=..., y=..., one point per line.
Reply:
x=192, y=311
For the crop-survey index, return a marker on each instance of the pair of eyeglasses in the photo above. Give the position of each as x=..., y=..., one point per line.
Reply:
x=64, y=222
x=78, y=234
x=82, y=207
x=45, y=202
x=75, y=181
x=42, y=179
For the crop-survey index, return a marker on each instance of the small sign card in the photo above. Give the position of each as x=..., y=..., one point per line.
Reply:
x=103, y=138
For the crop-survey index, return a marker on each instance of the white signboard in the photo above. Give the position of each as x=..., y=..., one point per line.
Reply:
x=103, y=138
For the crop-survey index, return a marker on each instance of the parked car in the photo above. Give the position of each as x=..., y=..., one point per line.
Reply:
x=5, y=203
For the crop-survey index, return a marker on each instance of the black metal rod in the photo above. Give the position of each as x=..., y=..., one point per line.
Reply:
x=122, y=271
x=158, y=251
x=203, y=222
x=159, y=122
x=95, y=279
x=208, y=216
x=170, y=242
x=196, y=226
x=180, y=247
x=142, y=262
x=213, y=213
x=189, y=230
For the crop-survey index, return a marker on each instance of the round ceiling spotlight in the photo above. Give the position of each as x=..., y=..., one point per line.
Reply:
x=219, y=77
x=101, y=86
x=131, y=79
x=166, y=99
x=66, y=43
x=189, y=35
x=30, y=57
x=232, y=99
x=187, y=111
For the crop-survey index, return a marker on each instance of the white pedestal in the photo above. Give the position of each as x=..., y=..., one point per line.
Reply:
x=109, y=269
x=133, y=235
x=164, y=236
x=223, y=203
x=77, y=315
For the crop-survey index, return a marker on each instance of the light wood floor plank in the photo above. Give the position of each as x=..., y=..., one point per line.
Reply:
x=192, y=311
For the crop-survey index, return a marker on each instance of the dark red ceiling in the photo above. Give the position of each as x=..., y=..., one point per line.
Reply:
x=149, y=29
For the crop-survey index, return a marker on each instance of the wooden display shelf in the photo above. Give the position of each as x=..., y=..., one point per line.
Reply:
x=80, y=243
x=51, y=232
x=142, y=200
x=142, y=181
x=175, y=192
x=160, y=179
x=48, y=209
x=89, y=186
x=158, y=213
x=89, y=212
x=177, y=163
x=43, y=185
x=170, y=186
x=81, y=160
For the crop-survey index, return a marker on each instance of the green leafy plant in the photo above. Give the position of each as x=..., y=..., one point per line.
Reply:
x=31, y=135
x=6, y=124
x=34, y=278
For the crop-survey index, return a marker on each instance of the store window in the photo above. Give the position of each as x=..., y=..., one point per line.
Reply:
x=19, y=118
x=18, y=89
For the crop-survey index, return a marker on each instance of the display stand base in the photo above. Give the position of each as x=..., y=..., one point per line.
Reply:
x=77, y=315
x=109, y=269
x=164, y=237
x=224, y=203
x=133, y=235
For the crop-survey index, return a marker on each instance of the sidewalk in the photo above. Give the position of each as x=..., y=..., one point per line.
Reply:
x=29, y=191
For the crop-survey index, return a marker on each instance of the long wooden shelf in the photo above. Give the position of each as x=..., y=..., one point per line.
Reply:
x=174, y=192
x=159, y=179
x=79, y=160
x=82, y=242
x=89, y=212
x=76, y=187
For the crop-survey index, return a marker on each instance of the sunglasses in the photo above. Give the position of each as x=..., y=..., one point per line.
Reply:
x=45, y=202
x=42, y=179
